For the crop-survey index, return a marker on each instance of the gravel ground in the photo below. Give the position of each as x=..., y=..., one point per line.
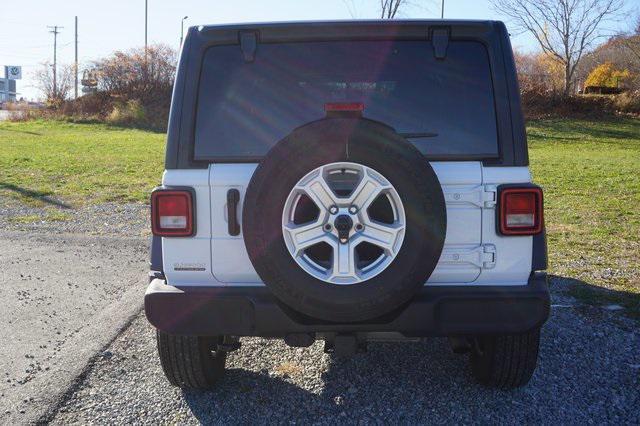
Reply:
x=589, y=372
x=98, y=219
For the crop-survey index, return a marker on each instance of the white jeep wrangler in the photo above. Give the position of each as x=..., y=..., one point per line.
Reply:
x=350, y=182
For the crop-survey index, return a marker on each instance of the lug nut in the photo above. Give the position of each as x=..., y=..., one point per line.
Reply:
x=327, y=227
x=333, y=209
x=353, y=210
x=359, y=227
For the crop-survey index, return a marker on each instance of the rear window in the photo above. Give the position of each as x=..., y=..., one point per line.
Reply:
x=444, y=107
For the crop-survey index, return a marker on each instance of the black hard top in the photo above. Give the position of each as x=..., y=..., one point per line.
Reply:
x=493, y=34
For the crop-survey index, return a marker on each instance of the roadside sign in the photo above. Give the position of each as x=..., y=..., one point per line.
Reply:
x=13, y=72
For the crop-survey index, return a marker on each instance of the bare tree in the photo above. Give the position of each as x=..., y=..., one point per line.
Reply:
x=43, y=77
x=564, y=29
x=389, y=8
x=632, y=42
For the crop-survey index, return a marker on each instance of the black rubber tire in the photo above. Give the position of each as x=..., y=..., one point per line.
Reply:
x=189, y=361
x=350, y=140
x=507, y=361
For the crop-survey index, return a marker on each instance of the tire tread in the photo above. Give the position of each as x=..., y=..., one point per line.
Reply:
x=506, y=361
x=187, y=361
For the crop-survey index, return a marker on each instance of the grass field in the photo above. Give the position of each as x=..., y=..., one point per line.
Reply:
x=78, y=163
x=590, y=172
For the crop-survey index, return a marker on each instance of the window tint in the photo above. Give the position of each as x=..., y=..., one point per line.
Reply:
x=445, y=107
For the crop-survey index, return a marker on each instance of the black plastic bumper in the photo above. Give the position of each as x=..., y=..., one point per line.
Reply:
x=434, y=311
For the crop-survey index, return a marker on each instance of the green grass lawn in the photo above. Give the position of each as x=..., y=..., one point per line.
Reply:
x=78, y=163
x=590, y=172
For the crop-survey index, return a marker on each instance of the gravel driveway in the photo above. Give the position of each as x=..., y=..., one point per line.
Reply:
x=589, y=372
x=61, y=308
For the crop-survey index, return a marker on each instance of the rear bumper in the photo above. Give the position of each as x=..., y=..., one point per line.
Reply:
x=434, y=311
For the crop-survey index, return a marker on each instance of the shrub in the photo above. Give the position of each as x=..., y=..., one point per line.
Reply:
x=628, y=102
x=98, y=105
x=129, y=113
x=552, y=104
x=134, y=74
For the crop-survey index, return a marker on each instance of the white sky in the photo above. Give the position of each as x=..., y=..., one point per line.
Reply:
x=106, y=26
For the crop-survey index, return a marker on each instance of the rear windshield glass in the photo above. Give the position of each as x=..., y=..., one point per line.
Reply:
x=444, y=107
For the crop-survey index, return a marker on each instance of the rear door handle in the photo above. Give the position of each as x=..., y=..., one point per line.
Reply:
x=233, y=198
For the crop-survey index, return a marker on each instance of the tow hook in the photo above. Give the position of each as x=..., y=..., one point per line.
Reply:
x=460, y=345
x=344, y=345
x=229, y=344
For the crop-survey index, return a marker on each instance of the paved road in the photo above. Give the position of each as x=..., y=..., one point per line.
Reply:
x=64, y=297
x=589, y=373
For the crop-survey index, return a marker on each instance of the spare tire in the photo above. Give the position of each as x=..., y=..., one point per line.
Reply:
x=375, y=219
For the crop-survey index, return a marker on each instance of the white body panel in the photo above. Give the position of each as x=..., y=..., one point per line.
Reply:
x=473, y=254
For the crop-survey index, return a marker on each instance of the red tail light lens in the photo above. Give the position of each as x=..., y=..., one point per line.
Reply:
x=521, y=211
x=172, y=213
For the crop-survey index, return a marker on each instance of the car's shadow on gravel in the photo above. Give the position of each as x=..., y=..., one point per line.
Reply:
x=587, y=369
x=352, y=385
x=405, y=382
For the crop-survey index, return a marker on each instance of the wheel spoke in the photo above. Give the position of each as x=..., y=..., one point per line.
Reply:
x=366, y=192
x=304, y=236
x=319, y=192
x=382, y=235
x=344, y=264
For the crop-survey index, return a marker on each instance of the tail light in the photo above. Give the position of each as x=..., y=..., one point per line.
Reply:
x=172, y=213
x=520, y=210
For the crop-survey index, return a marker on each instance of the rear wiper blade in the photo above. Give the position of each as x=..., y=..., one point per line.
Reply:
x=419, y=135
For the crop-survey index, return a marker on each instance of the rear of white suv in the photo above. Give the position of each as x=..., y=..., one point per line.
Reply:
x=347, y=181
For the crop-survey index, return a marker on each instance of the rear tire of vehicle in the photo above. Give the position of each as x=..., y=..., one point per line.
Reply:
x=506, y=361
x=190, y=362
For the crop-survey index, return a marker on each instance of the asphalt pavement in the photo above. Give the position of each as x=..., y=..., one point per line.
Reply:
x=64, y=297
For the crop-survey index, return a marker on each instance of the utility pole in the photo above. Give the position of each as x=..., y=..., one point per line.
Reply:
x=55, y=33
x=442, y=10
x=146, y=22
x=75, y=66
x=146, y=46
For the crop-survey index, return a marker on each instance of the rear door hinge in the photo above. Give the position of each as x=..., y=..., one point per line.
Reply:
x=489, y=196
x=480, y=197
x=483, y=256
x=488, y=256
